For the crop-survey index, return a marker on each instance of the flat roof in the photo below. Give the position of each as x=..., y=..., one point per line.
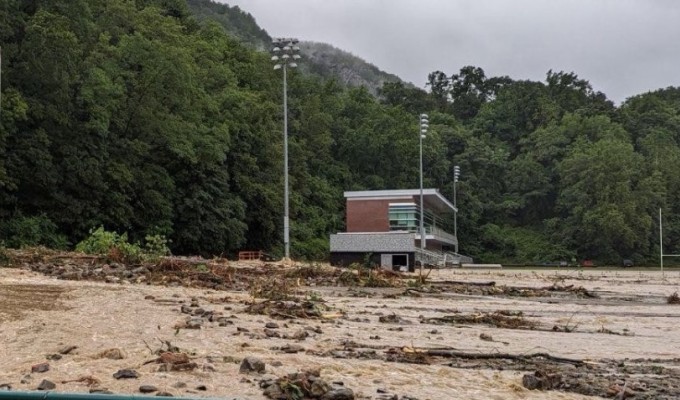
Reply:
x=431, y=196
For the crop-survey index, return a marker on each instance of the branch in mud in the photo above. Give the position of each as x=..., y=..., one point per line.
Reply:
x=451, y=353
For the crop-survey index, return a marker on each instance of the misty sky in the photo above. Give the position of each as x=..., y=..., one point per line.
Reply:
x=623, y=47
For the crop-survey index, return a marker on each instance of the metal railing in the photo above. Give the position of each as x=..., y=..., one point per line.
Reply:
x=441, y=259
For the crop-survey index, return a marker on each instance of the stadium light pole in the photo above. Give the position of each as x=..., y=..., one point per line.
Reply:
x=284, y=55
x=456, y=175
x=424, y=124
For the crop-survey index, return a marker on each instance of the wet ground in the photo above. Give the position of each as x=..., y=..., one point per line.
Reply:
x=465, y=334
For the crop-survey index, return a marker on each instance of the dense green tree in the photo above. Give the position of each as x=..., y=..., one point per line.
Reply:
x=162, y=117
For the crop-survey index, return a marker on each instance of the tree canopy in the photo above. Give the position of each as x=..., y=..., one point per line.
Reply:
x=164, y=117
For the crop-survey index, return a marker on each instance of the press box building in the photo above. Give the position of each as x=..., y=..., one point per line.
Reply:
x=384, y=226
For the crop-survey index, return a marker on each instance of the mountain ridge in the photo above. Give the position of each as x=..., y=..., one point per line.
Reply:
x=321, y=59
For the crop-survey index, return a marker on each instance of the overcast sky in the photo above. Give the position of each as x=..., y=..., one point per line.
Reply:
x=623, y=47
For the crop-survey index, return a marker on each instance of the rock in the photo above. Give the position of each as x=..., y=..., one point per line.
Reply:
x=276, y=363
x=179, y=385
x=213, y=316
x=271, y=333
x=148, y=389
x=112, y=354
x=389, y=319
x=272, y=325
x=531, y=382
x=185, y=309
x=339, y=394
x=224, y=321
x=486, y=337
x=314, y=329
x=198, y=311
x=5, y=386
x=202, y=388
x=54, y=357
x=164, y=394
x=126, y=374
x=274, y=392
x=300, y=335
x=46, y=385
x=194, y=323
x=42, y=367
x=319, y=387
x=185, y=366
x=239, y=329
x=542, y=381
x=292, y=348
x=252, y=364
x=26, y=379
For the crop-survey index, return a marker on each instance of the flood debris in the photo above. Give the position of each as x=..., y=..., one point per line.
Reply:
x=673, y=298
x=252, y=364
x=305, y=385
x=112, y=354
x=498, y=319
x=606, y=379
x=542, y=380
x=390, y=319
x=491, y=289
x=89, y=380
x=293, y=309
x=171, y=358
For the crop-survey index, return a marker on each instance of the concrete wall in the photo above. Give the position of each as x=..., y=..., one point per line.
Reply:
x=345, y=259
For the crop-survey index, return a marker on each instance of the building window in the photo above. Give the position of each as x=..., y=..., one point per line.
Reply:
x=406, y=217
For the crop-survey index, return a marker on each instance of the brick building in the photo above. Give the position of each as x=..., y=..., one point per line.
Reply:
x=384, y=226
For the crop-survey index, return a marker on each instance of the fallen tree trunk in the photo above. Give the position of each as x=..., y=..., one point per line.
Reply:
x=451, y=353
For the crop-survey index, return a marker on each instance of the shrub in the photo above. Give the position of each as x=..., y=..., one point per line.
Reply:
x=4, y=257
x=112, y=245
x=117, y=248
x=156, y=246
x=22, y=231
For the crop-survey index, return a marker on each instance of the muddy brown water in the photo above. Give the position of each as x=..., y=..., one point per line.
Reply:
x=137, y=318
x=18, y=299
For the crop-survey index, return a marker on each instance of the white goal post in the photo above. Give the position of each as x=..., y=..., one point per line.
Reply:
x=661, y=244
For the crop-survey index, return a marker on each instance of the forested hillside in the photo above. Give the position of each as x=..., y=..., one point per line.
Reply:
x=139, y=117
x=327, y=61
x=237, y=22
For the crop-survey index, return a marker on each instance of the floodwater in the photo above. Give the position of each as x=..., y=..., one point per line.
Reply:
x=39, y=315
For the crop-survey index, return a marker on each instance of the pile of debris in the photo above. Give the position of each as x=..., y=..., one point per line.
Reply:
x=498, y=319
x=491, y=289
x=217, y=273
x=294, y=309
x=304, y=386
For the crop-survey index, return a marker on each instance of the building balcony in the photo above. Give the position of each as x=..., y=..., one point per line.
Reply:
x=432, y=233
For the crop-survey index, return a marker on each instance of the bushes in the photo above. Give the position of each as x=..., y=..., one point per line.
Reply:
x=22, y=231
x=117, y=248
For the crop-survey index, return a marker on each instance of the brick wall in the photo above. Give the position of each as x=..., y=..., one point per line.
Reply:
x=368, y=215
